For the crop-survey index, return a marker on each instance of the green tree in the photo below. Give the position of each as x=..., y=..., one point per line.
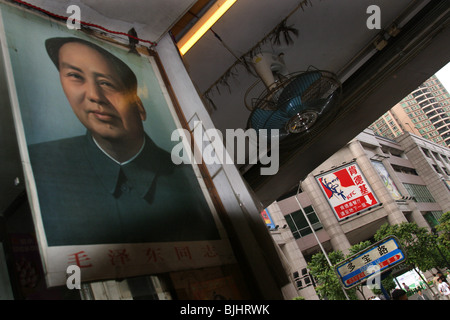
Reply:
x=388, y=284
x=419, y=245
x=443, y=228
x=354, y=250
x=328, y=283
x=443, y=246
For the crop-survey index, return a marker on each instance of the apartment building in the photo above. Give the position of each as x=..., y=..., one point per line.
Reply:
x=424, y=112
x=404, y=180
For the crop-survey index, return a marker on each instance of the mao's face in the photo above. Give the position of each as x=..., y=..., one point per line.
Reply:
x=97, y=95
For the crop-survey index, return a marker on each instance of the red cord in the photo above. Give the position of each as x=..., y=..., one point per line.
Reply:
x=82, y=22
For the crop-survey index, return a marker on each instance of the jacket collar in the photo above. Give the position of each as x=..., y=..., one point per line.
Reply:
x=140, y=173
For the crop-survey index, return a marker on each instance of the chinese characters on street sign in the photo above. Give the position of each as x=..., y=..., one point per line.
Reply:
x=379, y=257
x=347, y=191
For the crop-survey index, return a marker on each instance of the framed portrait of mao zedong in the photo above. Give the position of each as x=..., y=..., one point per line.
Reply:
x=95, y=124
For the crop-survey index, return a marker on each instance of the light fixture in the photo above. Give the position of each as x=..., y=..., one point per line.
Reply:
x=204, y=24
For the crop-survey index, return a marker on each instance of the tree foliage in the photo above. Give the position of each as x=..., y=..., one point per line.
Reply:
x=354, y=249
x=419, y=245
x=443, y=228
x=328, y=283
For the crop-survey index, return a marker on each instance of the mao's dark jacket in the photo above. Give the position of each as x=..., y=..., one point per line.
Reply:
x=86, y=198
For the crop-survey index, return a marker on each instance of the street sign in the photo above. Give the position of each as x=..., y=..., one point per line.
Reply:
x=379, y=257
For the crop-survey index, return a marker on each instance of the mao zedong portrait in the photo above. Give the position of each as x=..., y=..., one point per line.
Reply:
x=113, y=184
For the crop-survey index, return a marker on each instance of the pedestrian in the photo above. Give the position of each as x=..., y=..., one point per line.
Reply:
x=399, y=294
x=442, y=277
x=405, y=286
x=444, y=288
x=435, y=279
x=422, y=296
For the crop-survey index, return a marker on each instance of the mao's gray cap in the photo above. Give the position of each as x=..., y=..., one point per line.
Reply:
x=53, y=45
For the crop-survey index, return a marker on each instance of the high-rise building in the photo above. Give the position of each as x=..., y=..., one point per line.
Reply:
x=370, y=182
x=424, y=112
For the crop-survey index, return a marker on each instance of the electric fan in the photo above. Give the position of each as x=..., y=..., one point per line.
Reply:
x=291, y=103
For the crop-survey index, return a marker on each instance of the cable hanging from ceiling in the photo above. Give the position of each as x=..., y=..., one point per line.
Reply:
x=282, y=31
x=83, y=23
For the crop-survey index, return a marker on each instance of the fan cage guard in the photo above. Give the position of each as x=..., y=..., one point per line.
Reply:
x=325, y=89
x=268, y=98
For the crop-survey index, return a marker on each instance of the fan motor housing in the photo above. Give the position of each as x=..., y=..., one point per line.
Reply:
x=302, y=121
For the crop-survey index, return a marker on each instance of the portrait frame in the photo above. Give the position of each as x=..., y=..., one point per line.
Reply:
x=95, y=260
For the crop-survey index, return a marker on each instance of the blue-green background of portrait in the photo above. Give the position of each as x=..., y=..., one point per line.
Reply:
x=46, y=113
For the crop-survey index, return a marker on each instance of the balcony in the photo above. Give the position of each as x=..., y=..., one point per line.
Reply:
x=393, y=160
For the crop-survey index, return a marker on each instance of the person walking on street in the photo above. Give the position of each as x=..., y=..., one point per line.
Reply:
x=422, y=296
x=444, y=288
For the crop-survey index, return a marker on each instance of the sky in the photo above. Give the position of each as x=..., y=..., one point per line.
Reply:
x=444, y=76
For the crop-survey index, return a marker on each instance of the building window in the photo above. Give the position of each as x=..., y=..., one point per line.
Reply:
x=436, y=168
x=427, y=153
x=432, y=217
x=419, y=192
x=404, y=170
x=298, y=224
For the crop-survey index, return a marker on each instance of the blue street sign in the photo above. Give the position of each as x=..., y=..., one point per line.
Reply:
x=379, y=257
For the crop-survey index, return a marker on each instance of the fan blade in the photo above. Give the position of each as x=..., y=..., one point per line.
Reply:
x=272, y=121
x=290, y=100
x=267, y=119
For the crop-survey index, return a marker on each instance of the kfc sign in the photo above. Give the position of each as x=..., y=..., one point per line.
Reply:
x=347, y=191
